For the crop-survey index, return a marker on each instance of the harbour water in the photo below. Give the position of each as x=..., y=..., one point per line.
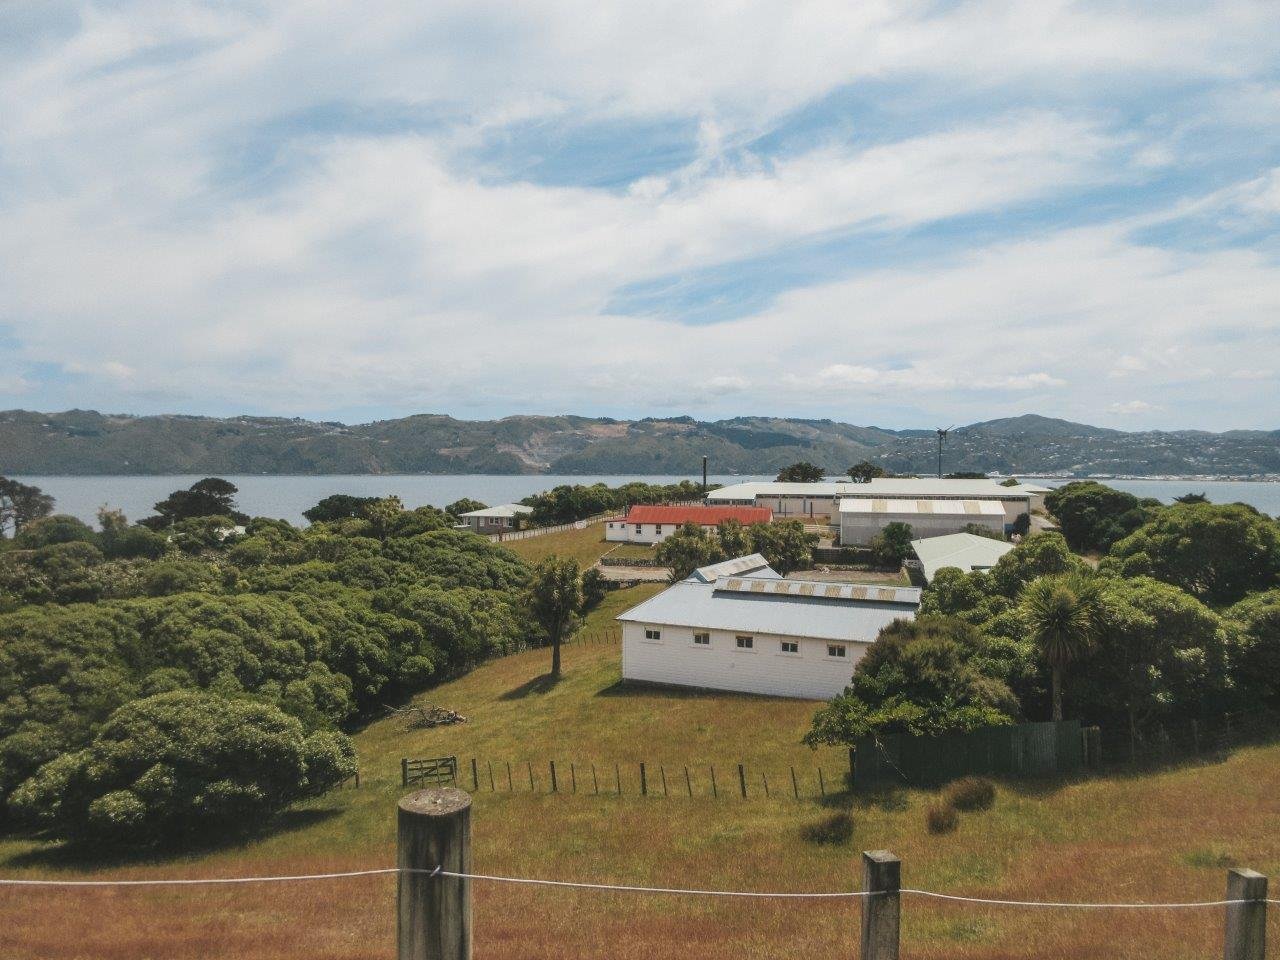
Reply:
x=287, y=496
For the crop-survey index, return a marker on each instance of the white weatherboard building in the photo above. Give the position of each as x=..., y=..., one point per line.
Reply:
x=965, y=551
x=821, y=501
x=739, y=626
x=861, y=519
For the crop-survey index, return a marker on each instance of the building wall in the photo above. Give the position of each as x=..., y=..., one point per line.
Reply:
x=675, y=659
x=828, y=508
x=491, y=524
x=858, y=529
x=621, y=532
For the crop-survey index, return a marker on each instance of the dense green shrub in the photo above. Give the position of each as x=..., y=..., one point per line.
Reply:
x=1217, y=552
x=920, y=677
x=970, y=793
x=182, y=765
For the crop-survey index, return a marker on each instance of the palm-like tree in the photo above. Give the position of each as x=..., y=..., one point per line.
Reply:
x=1062, y=616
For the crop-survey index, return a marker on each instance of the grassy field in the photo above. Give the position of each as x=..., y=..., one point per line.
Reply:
x=1160, y=836
x=633, y=551
x=586, y=545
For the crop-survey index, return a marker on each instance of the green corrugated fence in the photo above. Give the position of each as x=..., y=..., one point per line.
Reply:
x=1025, y=749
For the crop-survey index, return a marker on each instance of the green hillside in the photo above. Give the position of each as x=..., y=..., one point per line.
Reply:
x=1165, y=835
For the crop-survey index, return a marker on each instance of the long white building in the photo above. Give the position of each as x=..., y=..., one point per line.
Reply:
x=862, y=519
x=739, y=626
x=820, y=502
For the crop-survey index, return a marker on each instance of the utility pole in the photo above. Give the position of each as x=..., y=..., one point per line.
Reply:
x=942, y=438
x=704, y=476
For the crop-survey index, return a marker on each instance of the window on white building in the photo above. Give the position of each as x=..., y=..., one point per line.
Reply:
x=652, y=633
x=835, y=650
x=639, y=528
x=746, y=643
x=702, y=639
x=790, y=646
x=657, y=528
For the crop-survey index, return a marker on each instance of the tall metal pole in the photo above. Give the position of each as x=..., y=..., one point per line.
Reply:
x=704, y=476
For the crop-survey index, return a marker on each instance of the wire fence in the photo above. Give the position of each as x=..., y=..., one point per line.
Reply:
x=632, y=888
x=729, y=781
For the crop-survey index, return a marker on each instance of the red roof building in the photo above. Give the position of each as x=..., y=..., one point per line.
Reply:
x=653, y=524
x=703, y=516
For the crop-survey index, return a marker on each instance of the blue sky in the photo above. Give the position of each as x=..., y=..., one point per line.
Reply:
x=885, y=212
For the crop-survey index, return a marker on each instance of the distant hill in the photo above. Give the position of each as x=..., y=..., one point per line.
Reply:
x=87, y=442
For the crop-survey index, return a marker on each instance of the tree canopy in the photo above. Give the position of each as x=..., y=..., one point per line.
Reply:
x=1217, y=552
x=183, y=765
x=801, y=472
x=1093, y=516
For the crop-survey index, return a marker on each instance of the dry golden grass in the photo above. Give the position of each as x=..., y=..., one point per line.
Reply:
x=586, y=545
x=1161, y=836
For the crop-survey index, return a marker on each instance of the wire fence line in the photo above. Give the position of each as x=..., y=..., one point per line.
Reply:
x=632, y=888
x=633, y=778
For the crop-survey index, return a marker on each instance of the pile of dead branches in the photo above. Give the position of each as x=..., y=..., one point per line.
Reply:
x=426, y=717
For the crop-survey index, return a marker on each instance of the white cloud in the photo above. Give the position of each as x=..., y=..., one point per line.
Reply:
x=177, y=219
x=1132, y=407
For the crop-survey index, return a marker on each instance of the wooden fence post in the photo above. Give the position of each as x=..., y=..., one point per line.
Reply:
x=795, y=787
x=1246, y=928
x=644, y=782
x=742, y=780
x=404, y=771
x=475, y=775
x=554, y=784
x=882, y=878
x=687, y=782
x=595, y=781
x=573, y=777
x=433, y=829
x=715, y=793
x=822, y=787
x=663, y=771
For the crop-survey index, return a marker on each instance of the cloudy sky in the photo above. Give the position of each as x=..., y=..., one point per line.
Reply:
x=882, y=212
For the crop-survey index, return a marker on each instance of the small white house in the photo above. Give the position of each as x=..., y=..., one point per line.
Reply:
x=862, y=519
x=739, y=626
x=500, y=519
x=653, y=524
x=965, y=551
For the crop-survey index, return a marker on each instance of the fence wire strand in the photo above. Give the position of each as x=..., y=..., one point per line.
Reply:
x=624, y=888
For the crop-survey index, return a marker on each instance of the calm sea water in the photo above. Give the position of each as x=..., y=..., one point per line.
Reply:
x=287, y=497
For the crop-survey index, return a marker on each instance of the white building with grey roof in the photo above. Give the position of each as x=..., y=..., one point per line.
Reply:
x=740, y=626
x=862, y=519
x=964, y=551
x=820, y=502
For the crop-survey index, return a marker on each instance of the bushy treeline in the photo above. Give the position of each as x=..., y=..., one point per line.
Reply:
x=314, y=628
x=1178, y=619
x=784, y=543
x=569, y=502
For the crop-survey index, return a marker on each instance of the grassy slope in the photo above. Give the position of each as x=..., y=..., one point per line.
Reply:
x=586, y=545
x=1160, y=836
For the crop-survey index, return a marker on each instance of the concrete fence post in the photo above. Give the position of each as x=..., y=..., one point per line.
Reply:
x=882, y=878
x=433, y=829
x=1246, y=928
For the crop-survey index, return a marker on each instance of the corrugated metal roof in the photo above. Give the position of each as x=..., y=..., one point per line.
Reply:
x=820, y=589
x=886, y=487
x=691, y=603
x=977, y=508
x=705, y=516
x=503, y=510
x=967, y=551
x=753, y=564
